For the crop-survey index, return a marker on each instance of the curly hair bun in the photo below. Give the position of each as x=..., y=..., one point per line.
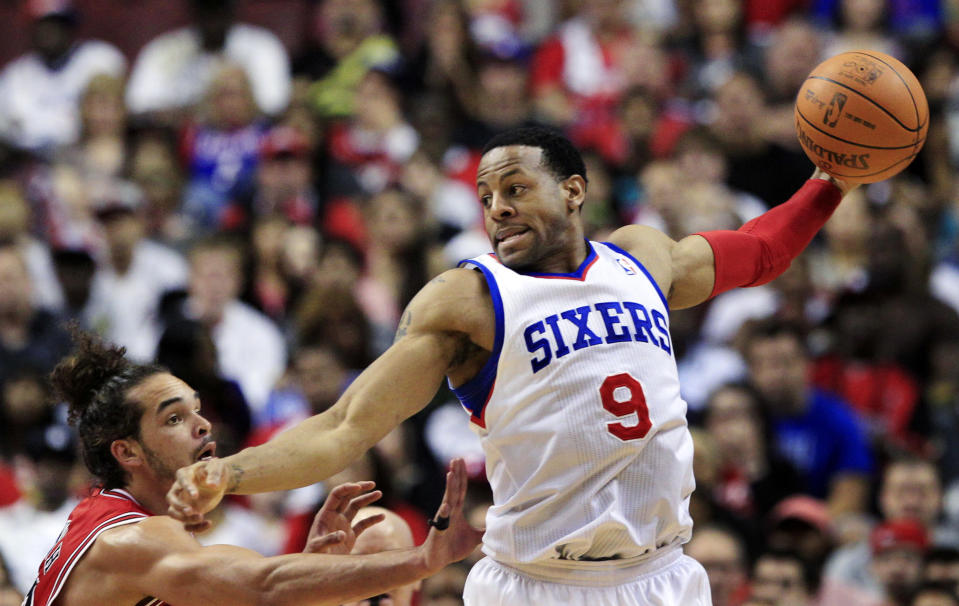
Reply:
x=79, y=377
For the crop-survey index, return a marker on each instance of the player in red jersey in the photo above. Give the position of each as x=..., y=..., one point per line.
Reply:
x=137, y=425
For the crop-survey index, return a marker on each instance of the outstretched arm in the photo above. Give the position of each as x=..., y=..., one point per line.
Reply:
x=437, y=327
x=158, y=557
x=703, y=265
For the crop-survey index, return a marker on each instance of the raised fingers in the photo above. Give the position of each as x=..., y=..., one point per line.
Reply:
x=360, y=502
x=456, y=484
x=365, y=523
x=340, y=497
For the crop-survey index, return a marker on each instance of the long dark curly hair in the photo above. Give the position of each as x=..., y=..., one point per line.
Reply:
x=94, y=381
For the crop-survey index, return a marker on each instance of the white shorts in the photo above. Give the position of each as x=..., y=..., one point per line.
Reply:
x=672, y=580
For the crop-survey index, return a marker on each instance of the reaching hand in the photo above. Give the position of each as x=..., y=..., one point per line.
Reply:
x=332, y=531
x=198, y=489
x=451, y=537
x=844, y=186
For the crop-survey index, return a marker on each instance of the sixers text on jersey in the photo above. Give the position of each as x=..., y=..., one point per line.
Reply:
x=621, y=321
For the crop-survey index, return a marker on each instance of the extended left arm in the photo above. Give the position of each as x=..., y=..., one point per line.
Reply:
x=705, y=264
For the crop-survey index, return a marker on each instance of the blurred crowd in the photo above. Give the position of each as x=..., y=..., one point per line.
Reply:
x=256, y=217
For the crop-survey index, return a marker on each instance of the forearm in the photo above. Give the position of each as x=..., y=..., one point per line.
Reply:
x=307, y=453
x=223, y=575
x=317, y=579
x=763, y=248
x=401, y=382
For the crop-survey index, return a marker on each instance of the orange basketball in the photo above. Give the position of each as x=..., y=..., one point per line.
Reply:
x=861, y=116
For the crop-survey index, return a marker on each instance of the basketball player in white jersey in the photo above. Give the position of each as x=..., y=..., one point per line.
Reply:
x=559, y=349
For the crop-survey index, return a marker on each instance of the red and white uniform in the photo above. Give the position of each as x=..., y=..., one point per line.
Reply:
x=94, y=515
x=587, y=447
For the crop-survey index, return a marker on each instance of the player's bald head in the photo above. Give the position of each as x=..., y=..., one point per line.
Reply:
x=392, y=533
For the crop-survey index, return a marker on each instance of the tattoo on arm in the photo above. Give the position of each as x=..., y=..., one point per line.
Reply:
x=404, y=325
x=235, y=481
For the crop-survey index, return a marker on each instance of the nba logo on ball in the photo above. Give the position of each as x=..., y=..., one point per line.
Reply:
x=861, y=116
x=862, y=69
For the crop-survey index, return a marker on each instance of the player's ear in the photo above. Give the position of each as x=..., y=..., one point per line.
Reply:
x=574, y=191
x=126, y=452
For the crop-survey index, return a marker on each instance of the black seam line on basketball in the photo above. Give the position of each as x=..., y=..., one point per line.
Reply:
x=811, y=125
x=915, y=107
x=886, y=111
x=907, y=159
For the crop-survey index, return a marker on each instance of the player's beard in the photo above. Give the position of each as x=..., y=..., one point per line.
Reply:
x=161, y=469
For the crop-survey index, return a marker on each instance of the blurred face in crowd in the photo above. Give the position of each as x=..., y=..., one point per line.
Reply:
x=14, y=212
x=794, y=534
x=342, y=24
x=214, y=280
x=25, y=399
x=722, y=557
x=898, y=570
x=320, y=375
x=52, y=37
x=531, y=218
x=75, y=271
x=793, y=55
x=284, y=176
x=662, y=184
x=267, y=237
x=157, y=174
x=911, y=490
x=780, y=580
x=607, y=14
x=702, y=163
x=230, y=97
x=376, y=104
x=847, y=231
x=15, y=285
x=301, y=250
x=706, y=205
x=503, y=88
x=393, y=222
x=639, y=111
x=739, y=101
x=338, y=266
x=213, y=19
x=733, y=423
x=102, y=109
x=122, y=230
x=778, y=370
x=713, y=16
x=863, y=15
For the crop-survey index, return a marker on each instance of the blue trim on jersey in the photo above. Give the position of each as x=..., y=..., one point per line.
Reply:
x=580, y=272
x=476, y=392
x=619, y=250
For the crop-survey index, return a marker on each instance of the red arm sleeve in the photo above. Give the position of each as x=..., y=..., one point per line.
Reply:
x=762, y=249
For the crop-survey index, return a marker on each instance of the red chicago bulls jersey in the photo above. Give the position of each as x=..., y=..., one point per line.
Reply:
x=104, y=510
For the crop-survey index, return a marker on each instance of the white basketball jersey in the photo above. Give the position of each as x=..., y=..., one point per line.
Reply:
x=579, y=413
